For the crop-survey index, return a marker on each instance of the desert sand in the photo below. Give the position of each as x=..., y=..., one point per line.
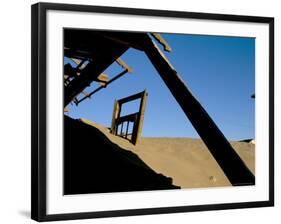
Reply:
x=95, y=164
x=187, y=161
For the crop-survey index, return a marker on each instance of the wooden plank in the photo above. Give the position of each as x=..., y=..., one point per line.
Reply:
x=128, y=117
x=124, y=65
x=116, y=112
x=127, y=129
x=230, y=162
x=102, y=79
x=90, y=73
x=102, y=50
x=102, y=87
x=130, y=98
x=85, y=93
x=162, y=41
x=136, y=137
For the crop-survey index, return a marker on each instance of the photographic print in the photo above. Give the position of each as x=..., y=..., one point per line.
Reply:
x=138, y=111
x=126, y=127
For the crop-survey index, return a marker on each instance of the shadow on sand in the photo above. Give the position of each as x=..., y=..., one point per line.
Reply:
x=94, y=164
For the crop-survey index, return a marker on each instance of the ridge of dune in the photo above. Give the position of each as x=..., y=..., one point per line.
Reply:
x=186, y=160
x=95, y=164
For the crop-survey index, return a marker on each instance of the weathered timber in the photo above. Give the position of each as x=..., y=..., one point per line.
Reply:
x=128, y=117
x=136, y=135
x=103, y=53
x=124, y=65
x=230, y=162
x=115, y=114
x=88, y=75
x=136, y=118
x=102, y=79
x=162, y=41
x=130, y=98
x=102, y=86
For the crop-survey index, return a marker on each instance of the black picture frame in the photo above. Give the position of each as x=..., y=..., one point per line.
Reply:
x=39, y=122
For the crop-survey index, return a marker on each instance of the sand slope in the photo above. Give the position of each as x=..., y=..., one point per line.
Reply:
x=187, y=161
x=95, y=164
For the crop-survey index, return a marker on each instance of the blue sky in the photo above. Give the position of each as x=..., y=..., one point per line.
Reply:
x=220, y=72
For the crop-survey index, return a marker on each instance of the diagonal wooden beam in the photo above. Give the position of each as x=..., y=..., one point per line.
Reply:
x=101, y=87
x=124, y=65
x=162, y=41
x=92, y=71
x=230, y=162
x=102, y=79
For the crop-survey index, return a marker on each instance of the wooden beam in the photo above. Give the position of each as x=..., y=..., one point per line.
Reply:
x=131, y=98
x=115, y=114
x=102, y=79
x=91, y=72
x=162, y=41
x=128, y=117
x=139, y=122
x=102, y=87
x=124, y=65
x=230, y=162
x=85, y=93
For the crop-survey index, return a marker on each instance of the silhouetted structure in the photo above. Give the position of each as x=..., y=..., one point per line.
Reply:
x=101, y=48
x=119, y=121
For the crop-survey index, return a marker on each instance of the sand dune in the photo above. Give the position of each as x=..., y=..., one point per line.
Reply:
x=187, y=161
x=95, y=164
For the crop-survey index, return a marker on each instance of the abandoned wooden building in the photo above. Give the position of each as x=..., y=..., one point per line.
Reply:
x=94, y=51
